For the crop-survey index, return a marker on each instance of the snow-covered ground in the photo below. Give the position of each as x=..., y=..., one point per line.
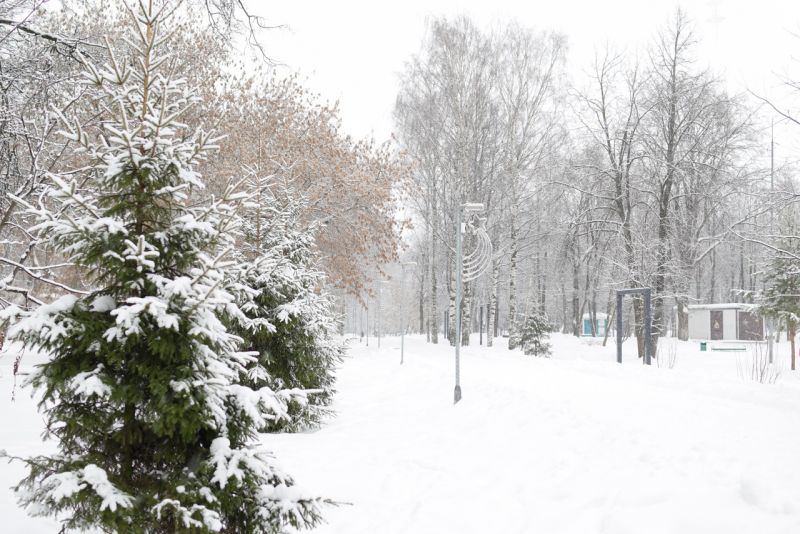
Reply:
x=572, y=444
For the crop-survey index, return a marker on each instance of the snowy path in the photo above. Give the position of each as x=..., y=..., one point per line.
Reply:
x=575, y=444
x=553, y=446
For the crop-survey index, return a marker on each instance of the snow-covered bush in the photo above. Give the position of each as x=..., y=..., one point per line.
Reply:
x=534, y=335
x=143, y=392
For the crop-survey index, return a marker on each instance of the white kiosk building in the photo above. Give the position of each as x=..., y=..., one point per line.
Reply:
x=734, y=322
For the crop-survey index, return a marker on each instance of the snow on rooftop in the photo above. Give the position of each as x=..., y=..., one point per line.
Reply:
x=725, y=306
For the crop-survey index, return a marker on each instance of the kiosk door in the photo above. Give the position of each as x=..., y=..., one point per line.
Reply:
x=716, y=324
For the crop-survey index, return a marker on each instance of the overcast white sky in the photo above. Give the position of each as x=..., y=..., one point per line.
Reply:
x=352, y=51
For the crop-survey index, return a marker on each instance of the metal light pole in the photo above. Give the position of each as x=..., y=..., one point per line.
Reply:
x=403, y=309
x=480, y=324
x=459, y=230
x=467, y=269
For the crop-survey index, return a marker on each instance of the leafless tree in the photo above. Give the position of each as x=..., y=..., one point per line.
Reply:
x=478, y=111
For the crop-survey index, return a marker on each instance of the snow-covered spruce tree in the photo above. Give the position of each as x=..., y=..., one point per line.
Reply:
x=291, y=319
x=534, y=334
x=155, y=432
x=781, y=299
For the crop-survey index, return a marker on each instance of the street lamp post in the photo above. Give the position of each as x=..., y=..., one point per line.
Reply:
x=403, y=308
x=468, y=269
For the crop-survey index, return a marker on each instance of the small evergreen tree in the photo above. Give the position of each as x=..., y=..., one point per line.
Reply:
x=534, y=335
x=291, y=319
x=142, y=393
x=781, y=299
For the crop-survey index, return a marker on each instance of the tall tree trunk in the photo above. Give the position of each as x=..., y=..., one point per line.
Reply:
x=466, y=314
x=564, y=322
x=422, y=307
x=512, y=289
x=583, y=306
x=432, y=273
x=698, y=283
x=588, y=303
x=741, y=270
x=541, y=279
x=661, y=267
x=611, y=311
x=665, y=197
x=576, y=299
x=638, y=321
x=638, y=305
x=580, y=315
x=497, y=318
x=451, y=295
x=683, y=319
x=713, y=285
x=491, y=316
x=343, y=314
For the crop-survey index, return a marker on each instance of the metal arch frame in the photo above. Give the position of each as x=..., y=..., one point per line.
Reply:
x=468, y=269
x=648, y=322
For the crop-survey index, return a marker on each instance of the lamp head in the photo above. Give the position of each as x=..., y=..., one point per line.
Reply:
x=472, y=207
